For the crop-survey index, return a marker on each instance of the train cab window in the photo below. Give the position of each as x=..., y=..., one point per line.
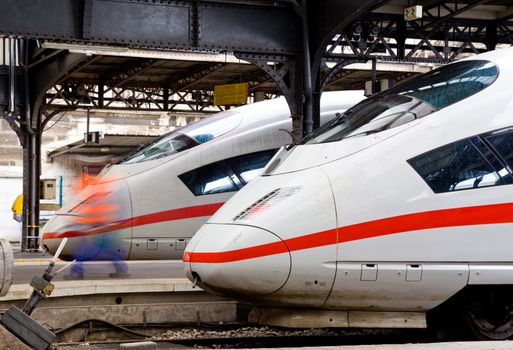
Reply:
x=226, y=175
x=187, y=137
x=212, y=127
x=412, y=100
x=165, y=146
x=457, y=166
x=213, y=178
x=503, y=144
x=249, y=166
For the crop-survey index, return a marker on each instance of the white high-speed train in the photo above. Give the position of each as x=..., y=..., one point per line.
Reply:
x=150, y=204
x=402, y=205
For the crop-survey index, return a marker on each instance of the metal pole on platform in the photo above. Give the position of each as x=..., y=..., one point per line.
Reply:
x=31, y=163
x=307, y=71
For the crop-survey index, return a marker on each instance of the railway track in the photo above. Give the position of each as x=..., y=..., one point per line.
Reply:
x=243, y=336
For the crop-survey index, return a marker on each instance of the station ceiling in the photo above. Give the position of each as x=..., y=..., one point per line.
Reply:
x=181, y=75
x=132, y=73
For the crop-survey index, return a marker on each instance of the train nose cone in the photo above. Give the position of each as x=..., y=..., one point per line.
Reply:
x=52, y=232
x=237, y=260
x=96, y=222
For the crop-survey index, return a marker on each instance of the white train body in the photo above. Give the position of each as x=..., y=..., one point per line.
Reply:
x=392, y=216
x=149, y=205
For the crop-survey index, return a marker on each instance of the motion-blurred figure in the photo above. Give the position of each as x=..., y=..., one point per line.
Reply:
x=95, y=215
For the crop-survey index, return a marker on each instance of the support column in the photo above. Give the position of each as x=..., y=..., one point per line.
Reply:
x=308, y=121
x=287, y=72
x=491, y=36
x=31, y=191
x=38, y=78
x=101, y=93
x=401, y=38
x=316, y=104
x=295, y=100
x=31, y=127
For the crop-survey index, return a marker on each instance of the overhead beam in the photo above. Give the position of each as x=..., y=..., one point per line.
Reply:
x=173, y=25
x=456, y=12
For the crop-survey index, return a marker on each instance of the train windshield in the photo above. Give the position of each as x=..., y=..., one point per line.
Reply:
x=187, y=137
x=409, y=101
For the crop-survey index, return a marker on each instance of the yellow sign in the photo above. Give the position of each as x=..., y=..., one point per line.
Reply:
x=17, y=208
x=17, y=205
x=231, y=94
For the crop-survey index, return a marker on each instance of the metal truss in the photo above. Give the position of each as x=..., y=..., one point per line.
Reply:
x=439, y=37
x=183, y=91
x=16, y=124
x=127, y=74
x=71, y=96
x=192, y=77
x=285, y=72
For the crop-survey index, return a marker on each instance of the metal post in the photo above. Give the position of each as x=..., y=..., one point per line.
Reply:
x=87, y=123
x=373, y=76
x=307, y=71
x=316, y=105
x=401, y=38
x=12, y=75
x=491, y=36
x=165, y=98
x=101, y=93
x=31, y=164
x=295, y=100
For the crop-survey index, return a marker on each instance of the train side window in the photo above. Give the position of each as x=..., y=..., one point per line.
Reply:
x=503, y=144
x=212, y=178
x=457, y=166
x=249, y=166
x=226, y=175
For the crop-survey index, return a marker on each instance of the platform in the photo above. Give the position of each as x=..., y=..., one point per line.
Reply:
x=484, y=345
x=140, y=301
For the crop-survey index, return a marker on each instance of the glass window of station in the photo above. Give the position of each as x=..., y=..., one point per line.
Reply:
x=187, y=137
x=477, y=162
x=226, y=175
x=409, y=101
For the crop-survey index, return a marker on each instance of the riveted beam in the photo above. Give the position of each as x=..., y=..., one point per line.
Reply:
x=165, y=24
x=456, y=11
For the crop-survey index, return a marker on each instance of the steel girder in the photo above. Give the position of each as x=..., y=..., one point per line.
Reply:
x=63, y=98
x=288, y=27
x=439, y=37
x=204, y=25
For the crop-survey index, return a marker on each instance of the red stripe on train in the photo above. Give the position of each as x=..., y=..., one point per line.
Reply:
x=304, y=242
x=466, y=216
x=153, y=218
